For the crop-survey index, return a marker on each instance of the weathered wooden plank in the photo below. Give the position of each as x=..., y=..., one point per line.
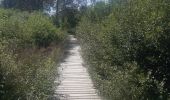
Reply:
x=76, y=83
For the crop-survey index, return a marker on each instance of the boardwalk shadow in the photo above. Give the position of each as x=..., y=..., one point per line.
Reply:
x=70, y=44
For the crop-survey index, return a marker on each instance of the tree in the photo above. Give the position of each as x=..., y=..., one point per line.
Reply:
x=26, y=4
x=67, y=11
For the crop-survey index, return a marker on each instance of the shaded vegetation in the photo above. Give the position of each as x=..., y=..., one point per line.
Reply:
x=127, y=49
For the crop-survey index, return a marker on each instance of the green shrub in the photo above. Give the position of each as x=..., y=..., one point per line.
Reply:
x=42, y=30
x=28, y=29
x=30, y=78
x=27, y=69
x=128, y=52
x=7, y=73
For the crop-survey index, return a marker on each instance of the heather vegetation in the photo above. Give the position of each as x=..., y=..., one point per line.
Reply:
x=126, y=46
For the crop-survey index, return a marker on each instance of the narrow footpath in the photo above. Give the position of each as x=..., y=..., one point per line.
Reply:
x=76, y=83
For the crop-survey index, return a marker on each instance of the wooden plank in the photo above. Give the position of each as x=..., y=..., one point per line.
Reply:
x=76, y=83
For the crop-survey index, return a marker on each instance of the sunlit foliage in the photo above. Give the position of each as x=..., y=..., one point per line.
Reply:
x=29, y=49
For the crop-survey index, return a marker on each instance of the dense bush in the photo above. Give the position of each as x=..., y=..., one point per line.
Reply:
x=43, y=31
x=30, y=78
x=34, y=28
x=128, y=52
x=27, y=69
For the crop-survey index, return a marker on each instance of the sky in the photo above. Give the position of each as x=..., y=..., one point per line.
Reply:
x=89, y=1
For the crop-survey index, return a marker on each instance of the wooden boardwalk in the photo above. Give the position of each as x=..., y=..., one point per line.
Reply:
x=76, y=83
